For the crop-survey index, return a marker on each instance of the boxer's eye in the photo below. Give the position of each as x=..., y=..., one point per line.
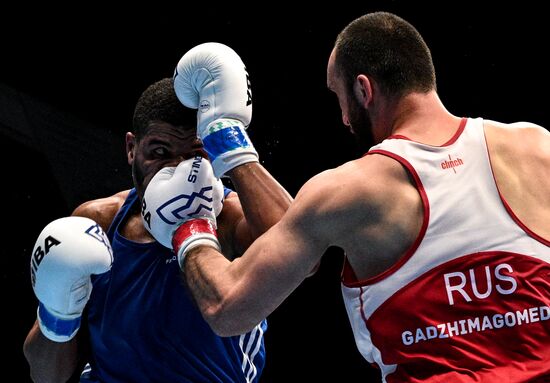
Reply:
x=160, y=151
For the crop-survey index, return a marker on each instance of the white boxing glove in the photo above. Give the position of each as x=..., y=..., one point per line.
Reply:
x=180, y=206
x=212, y=78
x=66, y=253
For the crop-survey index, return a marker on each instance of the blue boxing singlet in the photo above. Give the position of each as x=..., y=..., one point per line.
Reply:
x=145, y=327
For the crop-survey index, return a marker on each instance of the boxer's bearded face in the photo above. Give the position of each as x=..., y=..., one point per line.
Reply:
x=354, y=115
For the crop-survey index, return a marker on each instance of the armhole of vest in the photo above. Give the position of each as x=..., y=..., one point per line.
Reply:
x=508, y=208
x=121, y=214
x=349, y=279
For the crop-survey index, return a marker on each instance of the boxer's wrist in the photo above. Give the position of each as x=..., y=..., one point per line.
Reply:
x=228, y=145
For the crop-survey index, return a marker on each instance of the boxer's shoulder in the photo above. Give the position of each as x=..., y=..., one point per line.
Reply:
x=102, y=210
x=502, y=136
x=513, y=126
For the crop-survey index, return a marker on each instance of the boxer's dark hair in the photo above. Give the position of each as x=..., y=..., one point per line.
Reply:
x=387, y=48
x=159, y=103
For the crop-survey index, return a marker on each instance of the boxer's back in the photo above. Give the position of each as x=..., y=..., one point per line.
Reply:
x=520, y=159
x=475, y=279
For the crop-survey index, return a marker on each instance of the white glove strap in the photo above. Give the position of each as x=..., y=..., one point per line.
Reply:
x=228, y=146
x=55, y=328
x=193, y=233
x=231, y=160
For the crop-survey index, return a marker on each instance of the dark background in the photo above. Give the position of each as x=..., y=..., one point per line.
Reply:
x=69, y=79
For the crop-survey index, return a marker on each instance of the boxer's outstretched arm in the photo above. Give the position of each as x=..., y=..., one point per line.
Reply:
x=235, y=296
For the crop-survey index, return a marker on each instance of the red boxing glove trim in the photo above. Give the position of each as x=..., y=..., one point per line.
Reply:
x=189, y=228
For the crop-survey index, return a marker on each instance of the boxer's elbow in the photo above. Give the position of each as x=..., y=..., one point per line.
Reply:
x=225, y=320
x=225, y=327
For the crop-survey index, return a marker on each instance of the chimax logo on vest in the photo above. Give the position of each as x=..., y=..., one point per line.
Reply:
x=452, y=164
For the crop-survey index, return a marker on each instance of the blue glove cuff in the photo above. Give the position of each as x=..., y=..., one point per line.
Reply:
x=58, y=327
x=224, y=136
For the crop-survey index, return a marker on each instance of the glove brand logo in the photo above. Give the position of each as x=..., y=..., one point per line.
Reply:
x=145, y=214
x=192, y=177
x=248, y=89
x=98, y=234
x=204, y=106
x=183, y=206
x=39, y=255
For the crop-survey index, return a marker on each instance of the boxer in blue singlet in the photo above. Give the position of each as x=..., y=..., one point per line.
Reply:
x=140, y=323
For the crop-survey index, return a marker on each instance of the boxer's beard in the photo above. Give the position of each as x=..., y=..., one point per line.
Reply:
x=361, y=124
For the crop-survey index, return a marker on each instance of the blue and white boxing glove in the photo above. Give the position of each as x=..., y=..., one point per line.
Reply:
x=66, y=253
x=180, y=206
x=212, y=78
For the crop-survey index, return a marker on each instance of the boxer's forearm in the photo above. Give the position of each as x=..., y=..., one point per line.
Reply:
x=50, y=361
x=263, y=199
x=235, y=296
x=205, y=275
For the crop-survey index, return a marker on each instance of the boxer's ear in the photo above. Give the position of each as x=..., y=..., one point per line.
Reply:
x=363, y=90
x=130, y=146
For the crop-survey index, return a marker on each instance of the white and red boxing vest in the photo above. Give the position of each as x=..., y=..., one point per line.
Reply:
x=470, y=300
